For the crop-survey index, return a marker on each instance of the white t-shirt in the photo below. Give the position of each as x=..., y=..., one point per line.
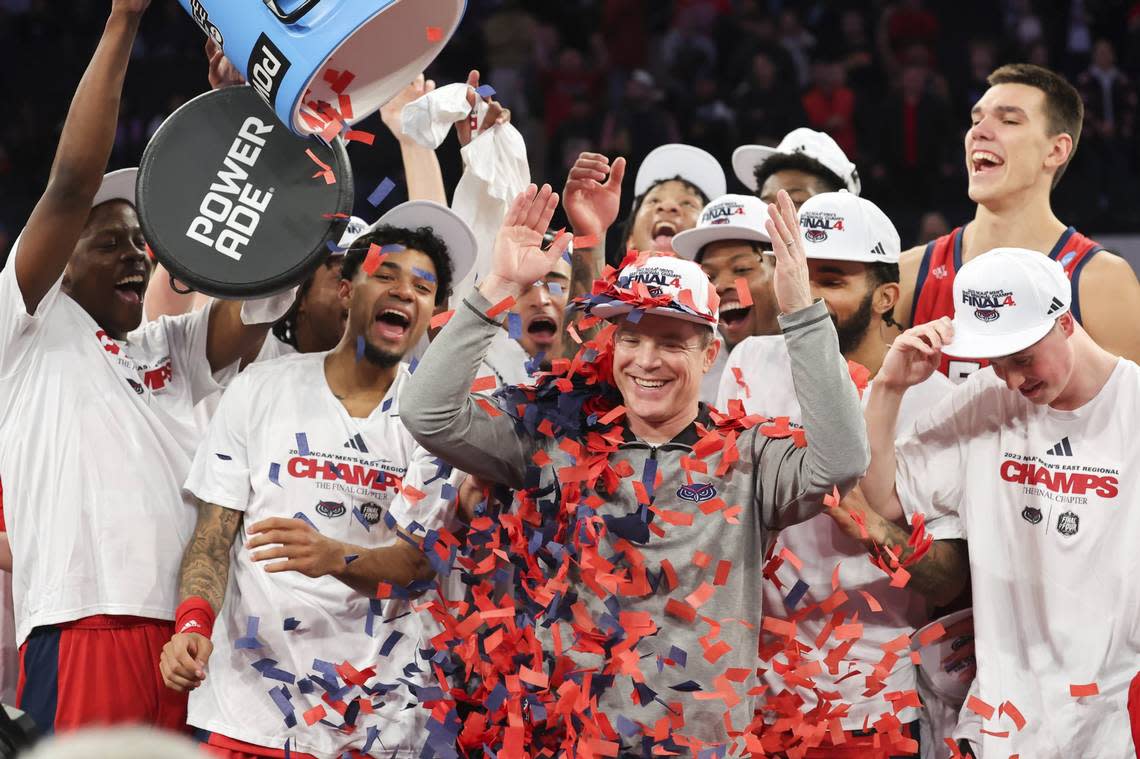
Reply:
x=281, y=445
x=1048, y=502
x=506, y=359
x=710, y=383
x=96, y=438
x=820, y=545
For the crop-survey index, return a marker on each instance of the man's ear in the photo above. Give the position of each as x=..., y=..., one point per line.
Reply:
x=710, y=354
x=1060, y=151
x=1068, y=323
x=885, y=298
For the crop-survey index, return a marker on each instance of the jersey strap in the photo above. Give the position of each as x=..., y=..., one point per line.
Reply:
x=934, y=286
x=1073, y=250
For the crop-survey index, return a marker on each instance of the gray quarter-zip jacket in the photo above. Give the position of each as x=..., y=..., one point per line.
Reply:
x=774, y=483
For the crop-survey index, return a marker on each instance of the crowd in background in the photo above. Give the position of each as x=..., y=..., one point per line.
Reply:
x=892, y=82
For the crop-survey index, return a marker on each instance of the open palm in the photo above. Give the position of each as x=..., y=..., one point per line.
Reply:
x=591, y=205
x=915, y=354
x=518, y=256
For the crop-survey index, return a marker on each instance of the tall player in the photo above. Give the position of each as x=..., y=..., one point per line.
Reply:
x=1024, y=131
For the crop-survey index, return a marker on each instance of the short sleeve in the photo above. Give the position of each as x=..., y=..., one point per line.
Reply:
x=930, y=459
x=186, y=334
x=220, y=473
x=18, y=328
x=438, y=483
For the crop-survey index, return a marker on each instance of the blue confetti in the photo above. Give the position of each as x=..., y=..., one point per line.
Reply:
x=224, y=456
x=485, y=91
x=390, y=642
x=280, y=696
x=382, y=191
x=412, y=366
x=566, y=256
x=302, y=444
x=387, y=404
x=422, y=274
x=359, y=347
x=274, y=473
x=351, y=558
x=268, y=669
x=688, y=686
x=333, y=247
x=626, y=726
x=301, y=515
x=514, y=325
x=678, y=655
x=635, y=315
x=305, y=685
x=375, y=609
x=554, y=288
x=249, y=640
x=796, y=594
x=291, y=624
x=496, y=697
x=370, y=738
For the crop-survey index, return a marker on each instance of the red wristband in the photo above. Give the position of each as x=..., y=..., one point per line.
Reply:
x=194, y=615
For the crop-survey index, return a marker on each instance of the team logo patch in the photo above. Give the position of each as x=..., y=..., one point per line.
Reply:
x=1068, y=258
x=1068, y=523
x=940, y=272
x=697, y=492
x=1031, y=515
x=330, y=509
x=815, y=235
x=986, y=314
x=371, y=512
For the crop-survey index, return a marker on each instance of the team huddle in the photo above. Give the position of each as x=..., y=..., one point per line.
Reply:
x=770, y=486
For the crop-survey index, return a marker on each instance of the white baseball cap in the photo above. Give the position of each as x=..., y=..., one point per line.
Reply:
x=1005, y=301
x=813, y=144
x=664, y=285
x=729, y=217
x=117, y=185
x=445, y=224
x=841, y=226
x=355, y=228
x=675, y=160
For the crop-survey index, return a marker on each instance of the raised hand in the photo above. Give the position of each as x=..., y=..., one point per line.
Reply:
x=593, y=193
x=304, y=549
x=518, y=260
x=222, y=72
x=790, y=281
x=390, y=112
x=915, y=354
x=496, y=113
x=183, y=661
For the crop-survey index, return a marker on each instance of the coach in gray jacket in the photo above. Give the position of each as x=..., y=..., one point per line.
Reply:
x=666, y=312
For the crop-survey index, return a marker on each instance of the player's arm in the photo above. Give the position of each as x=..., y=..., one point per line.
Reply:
x=421, y=166
x=58, y=219
x=5, y=553
x=438, y=408
x=293, y=545
x=1110, y=305
x=202, y=589
x=909, y=263
x=940, y=575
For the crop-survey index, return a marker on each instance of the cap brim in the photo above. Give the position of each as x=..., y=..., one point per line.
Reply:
x=117, y=185
x=616, y=308
x=973, y=345
x=745, y=159
x=445, y=224
x=688, y=244
x=691, y=164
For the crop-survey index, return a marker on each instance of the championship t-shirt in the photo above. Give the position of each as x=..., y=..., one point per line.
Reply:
x=765, y=387
x=1048, y=501
x=96, y=439
x=282, y=445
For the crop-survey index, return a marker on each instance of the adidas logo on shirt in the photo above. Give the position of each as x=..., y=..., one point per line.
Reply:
x=1061, y=449
x=1054, y=307
x=356, y=443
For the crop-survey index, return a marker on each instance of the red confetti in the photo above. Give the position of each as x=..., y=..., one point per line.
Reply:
x=980, y=707
x=355, y=135
x=373, y=260
x=316, y=714
x=443, y=317
x=483, y=384
x=1008, y=709
x=931, y=634
x=1078, y=691
x=500, y=307
x=585, y=241
x=722, y=570
x=488, y=407
x=743, y=293
x=434, y=34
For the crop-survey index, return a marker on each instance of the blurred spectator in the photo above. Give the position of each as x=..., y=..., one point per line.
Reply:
x=562, y=85
x=1109, y=95
x=830, y=105
x=626, y=39
x=857, y=53
x=710, y=124
x=906, y=23
x=799, y=43
x=578, y=132
x=509, y=41
x=767, y=105
x=982, y=57
x=641, y=123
